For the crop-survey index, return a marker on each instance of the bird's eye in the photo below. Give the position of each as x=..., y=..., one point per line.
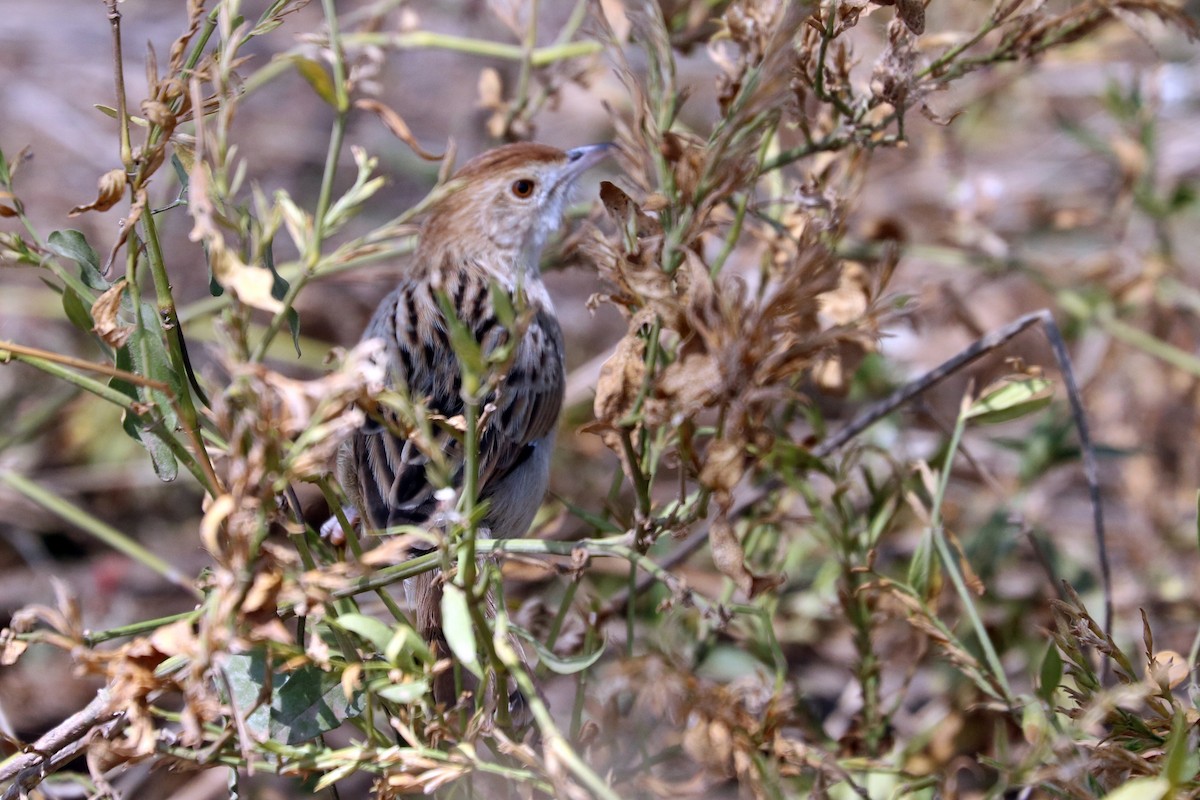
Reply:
x=522, y=187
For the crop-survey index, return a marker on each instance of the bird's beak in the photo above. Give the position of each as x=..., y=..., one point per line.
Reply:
x=581, y=159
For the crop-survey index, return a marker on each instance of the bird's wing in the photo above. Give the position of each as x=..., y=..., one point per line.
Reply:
x=389, y=474
x=527, y=403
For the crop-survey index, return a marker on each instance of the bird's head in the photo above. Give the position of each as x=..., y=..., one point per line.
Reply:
x=505, y=203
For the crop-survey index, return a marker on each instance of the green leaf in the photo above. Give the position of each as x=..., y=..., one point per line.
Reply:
x=404, y=693
x=1009, y=399
x=1141, y=789
x=561, y=665
x=320, y=80
x=279, y=290
x=304, y=703
x=368, y=628
x=161, y=455
x=166, y=466
x=502, y=306
x=150, y=359
x=406, y=647
x=462, y=342
x=1050, y=675
x=1182, y=763
x=145, y=354
x=922, y=567
x=309, y=703
x=247, y=675
x=456, y=625
x=72, y=245
x=124, y=362
x=181, y=173
x=77, y=312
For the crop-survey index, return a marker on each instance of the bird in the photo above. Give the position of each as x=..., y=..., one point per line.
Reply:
x=486, y=233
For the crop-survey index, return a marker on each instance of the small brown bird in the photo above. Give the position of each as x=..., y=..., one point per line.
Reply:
x=487, y=233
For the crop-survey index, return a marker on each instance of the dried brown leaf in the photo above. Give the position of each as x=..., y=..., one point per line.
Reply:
x=724, y=465
x=730, y=559
x=128, y=225
x=252, y=285
x=1167, y=668
x=621, y=380
x=912, y=12
x=8, y=204
x=936, y=118
x=691, y=383
x=11, y=647
x=159, y=113
x=727, y=553
x=628, y=215
x=106, y=315
x=491, y=89
x=111, y=189
x=396, y=124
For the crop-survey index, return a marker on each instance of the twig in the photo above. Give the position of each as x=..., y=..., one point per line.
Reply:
x=881, y=409
x=81, y=364
x=55, y=748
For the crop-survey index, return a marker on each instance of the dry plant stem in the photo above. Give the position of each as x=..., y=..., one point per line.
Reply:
x=114, y=19
x=312, y=255
x=79, y=363
x=168, y=319
x=91, y=639
x=521, y=101
x=881, y=409
x=54, y=749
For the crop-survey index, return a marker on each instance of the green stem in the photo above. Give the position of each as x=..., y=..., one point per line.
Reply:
x=951, y=564
x=601, y=548
x=521, y=100
x=957, y=50
x=564, y=606
x=539, y=57
x=552, y=739
x=172, y=330
x=640, y=484
x=111, y=395
x=312, y=253
x=1176, y=357
x=91, y=639
x=470, y=492
x=114, y=19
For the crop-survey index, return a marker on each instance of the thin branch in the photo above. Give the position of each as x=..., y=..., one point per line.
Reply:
x=881, y=409
x=55, y=748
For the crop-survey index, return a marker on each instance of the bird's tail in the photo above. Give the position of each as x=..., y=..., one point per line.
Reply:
x=424, y=594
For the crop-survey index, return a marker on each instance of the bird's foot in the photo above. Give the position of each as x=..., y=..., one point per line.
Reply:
x=332, y=530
